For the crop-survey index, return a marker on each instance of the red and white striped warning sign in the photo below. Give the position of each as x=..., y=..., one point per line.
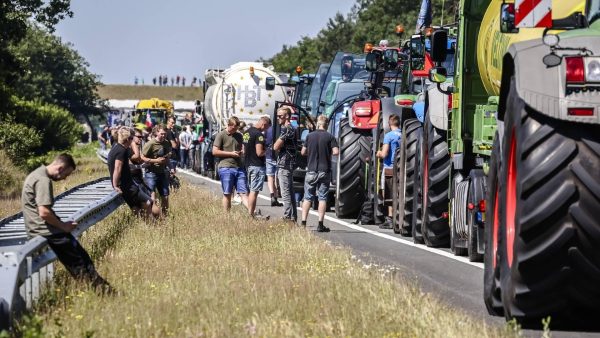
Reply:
x=533, y=13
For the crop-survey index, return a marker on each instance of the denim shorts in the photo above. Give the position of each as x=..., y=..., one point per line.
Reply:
x=316, y=183
x=233, y=178
x=271, y=167
x=256, y=177
x=159, y=181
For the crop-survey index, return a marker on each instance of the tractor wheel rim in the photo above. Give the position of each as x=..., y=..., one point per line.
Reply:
x=511, y=199
x=495, y=228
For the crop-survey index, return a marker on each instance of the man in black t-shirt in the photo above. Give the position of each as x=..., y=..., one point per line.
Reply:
x=255, y=151
x=286, y=145
x=173, y=138
x=120, y=174
x=319, y=147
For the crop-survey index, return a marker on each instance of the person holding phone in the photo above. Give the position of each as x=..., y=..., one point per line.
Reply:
x=228, y=146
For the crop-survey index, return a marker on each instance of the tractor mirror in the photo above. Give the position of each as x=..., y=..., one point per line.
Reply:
x=391, y=56
x=507, y=18
x=270, y=83
x=417, y=48
x=371, y=62
x=439, y=45
x=347, y=67
x=438, y=75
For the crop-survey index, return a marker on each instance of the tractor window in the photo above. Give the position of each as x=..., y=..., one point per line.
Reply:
x=156, y=116
x=449, y=63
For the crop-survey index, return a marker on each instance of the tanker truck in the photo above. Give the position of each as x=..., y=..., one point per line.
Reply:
x=512, y=172
x=237, y=91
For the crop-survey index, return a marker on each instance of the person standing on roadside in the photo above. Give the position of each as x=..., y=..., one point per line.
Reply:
x=37, y=200
x=185, y=144
x=255, y=152
x=174, y=140
x=320, y=146
x=391, y=142
x=158, y=151
x=271, y=168
x=120, y=173
x=228, y=146
x=286, y=145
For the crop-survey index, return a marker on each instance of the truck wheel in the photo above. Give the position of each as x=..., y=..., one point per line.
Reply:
x=549, y=222
x=458, y=224
x=491, y=269
x=417, y=207
x=435, y=181
x=476, y=194
x=405, y=169
x=355, y=150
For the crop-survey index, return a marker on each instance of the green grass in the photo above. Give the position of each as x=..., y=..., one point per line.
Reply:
x=203, y=273
x=128, y=92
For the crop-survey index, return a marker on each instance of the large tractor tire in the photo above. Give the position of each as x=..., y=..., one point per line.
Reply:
x=549, y=219
x=435, y=181
x=491, y=267
x=417, y=207
x=396, y=194
x=404, y=178
x=355, y=151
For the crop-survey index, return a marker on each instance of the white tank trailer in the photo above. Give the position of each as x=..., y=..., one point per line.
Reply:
x=240, y=91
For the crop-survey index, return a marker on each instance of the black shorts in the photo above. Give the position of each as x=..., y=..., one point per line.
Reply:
x=135, y=197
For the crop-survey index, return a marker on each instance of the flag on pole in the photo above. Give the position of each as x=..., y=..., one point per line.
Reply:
x=425, y=16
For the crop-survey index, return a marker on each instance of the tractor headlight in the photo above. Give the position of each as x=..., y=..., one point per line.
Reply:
x=592, y=70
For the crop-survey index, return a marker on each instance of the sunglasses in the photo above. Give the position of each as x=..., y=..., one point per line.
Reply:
x=280, y=116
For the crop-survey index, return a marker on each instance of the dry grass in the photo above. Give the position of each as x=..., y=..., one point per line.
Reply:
x=127, y=92
x=89, y=167
x=201, y=273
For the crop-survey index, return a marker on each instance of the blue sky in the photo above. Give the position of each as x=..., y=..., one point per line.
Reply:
x=122, y=39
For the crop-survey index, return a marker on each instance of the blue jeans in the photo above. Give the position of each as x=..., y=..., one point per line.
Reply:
x=183, y=158
x=158, y=181
x=256, y=178
x=233, y=178
x=316, y=183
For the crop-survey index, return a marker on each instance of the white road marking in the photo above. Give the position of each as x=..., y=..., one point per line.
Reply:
x=365, y=230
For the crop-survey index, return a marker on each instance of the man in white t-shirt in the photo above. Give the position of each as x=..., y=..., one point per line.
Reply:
x=185, y=143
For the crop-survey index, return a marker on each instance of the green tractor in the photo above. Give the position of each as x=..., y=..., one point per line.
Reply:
x=511, y=174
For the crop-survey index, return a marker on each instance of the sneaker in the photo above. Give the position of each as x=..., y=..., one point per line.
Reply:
x=323, y=228
x=275, y=202
x=237, y=200
x=387, y=224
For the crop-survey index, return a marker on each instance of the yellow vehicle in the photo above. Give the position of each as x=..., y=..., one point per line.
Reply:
x=151, y=112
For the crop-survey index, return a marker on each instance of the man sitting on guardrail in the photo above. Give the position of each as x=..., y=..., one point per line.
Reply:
x=37, y=199
x=120, y=174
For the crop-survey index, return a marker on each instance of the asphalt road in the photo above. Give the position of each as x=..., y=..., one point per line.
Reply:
x=452, y=279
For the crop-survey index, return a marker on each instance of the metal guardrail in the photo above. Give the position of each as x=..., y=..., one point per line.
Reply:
x=102, y=155
x=26, y=265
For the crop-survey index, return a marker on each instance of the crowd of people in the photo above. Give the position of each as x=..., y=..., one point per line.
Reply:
x=140, y=165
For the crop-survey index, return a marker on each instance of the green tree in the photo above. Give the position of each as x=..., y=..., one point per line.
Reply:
x=15, y=16
x=56, y=74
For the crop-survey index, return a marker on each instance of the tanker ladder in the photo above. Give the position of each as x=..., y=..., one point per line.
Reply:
x=26, y=265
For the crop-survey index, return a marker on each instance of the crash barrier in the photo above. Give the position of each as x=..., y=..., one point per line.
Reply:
x=26, y=265
x=102, y=155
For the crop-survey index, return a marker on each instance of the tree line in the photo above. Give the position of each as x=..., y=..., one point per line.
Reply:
x=46, y=89
x=368, y=21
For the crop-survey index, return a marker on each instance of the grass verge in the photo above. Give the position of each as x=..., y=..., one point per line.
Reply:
x=202, y=273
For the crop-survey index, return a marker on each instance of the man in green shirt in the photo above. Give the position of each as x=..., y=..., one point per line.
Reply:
x=228, y=147
x=158, y=151
x=37, y=199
